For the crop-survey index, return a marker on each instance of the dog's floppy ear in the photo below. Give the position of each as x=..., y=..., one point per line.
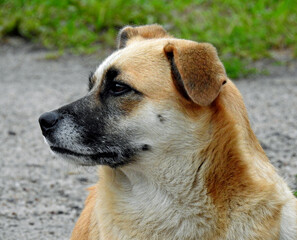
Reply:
x=197, y=71
x=129, y=34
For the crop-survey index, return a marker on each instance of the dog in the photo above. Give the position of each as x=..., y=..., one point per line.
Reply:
x=177, y=156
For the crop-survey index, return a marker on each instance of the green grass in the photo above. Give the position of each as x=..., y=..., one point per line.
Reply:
x=242, y=31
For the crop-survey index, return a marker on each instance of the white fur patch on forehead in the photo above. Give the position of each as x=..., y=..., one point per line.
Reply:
x=105, y=65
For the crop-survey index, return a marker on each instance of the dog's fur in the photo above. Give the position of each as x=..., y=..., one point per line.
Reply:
x=178, y=157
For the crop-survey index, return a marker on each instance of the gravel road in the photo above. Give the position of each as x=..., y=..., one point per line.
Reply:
x=41, y=196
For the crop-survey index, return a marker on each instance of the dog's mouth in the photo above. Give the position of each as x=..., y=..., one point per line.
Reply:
x=91, y=155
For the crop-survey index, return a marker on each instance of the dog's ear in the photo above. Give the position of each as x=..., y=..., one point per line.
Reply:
x=129, y=34
x=196, y=69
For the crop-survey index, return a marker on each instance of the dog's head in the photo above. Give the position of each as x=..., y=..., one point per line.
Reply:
x=146, y=98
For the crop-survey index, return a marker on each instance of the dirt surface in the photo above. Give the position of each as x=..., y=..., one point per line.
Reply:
x=41, y=196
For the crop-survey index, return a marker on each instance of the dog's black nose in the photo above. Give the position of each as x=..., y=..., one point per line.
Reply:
x=48, y=120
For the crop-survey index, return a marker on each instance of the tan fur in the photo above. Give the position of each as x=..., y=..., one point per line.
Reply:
x=129, y=34
x=209, y=178
x=200, y=69
x=86, y=226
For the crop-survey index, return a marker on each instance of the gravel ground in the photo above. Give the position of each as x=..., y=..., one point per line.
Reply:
x=41, y=196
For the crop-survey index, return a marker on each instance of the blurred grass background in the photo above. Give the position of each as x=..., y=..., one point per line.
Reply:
x=242, y=31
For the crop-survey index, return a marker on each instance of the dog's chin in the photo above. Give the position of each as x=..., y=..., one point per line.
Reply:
x=78, y=161
x=111, y=159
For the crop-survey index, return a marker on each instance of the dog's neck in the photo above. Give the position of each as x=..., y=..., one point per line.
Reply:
x=175, y=182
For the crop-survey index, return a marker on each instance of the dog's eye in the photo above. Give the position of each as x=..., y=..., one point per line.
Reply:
x=118, y=89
